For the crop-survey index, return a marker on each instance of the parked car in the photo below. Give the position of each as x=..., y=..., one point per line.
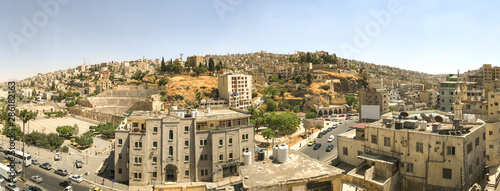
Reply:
x=76, y=178
x=1, y=149
x=327, y=119
x=334, y=126
x=62, y=172
x=65, y=183
x=1, y=180
x=329, y=148
x=95, y=189
x=329, y=129
x=35, y=188
x=68, y=188
x=46, y=166
x=12, y=187
x=6, y=162
x=79, y=163
x=57, y=157
x=36, y=179
x=330, y=139
x=317, y=146
x=320, y=134
x=340, y=121
x=311, y=143
x=35, y=162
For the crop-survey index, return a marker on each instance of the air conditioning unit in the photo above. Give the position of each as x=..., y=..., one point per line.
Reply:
x=154, y=148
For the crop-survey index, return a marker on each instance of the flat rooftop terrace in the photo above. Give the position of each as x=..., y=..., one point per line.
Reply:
x=300, y=167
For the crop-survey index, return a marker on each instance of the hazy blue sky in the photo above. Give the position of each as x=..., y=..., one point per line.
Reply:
x=427, y=36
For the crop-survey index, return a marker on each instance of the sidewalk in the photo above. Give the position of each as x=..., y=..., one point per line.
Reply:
x=491, y=182
x=90, y=160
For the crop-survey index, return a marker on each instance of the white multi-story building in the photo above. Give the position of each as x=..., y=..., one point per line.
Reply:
x=236, y=89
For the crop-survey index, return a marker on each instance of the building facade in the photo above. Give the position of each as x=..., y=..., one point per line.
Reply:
x=446, y=90
x=186, y=146
x=236, y=89
x=378, y=97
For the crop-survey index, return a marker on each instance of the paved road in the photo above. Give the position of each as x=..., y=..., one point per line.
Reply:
x=321, y=153
x=50, y=179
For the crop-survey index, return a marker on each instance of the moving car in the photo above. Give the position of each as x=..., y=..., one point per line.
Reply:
x=95, y=189
x=340, y=121
x=36, y=179
x=76, y=178
x=311, y=143
x=35, y=162
x=65, y=183
x=46, y=166
x=35, y=188
x=317, y=146
x=68, y=188
x=12, y=187
x=330, y=139
x=61, y=171
x=57, y=157
x=5, y=162
x=329, y=148
x=79, y=163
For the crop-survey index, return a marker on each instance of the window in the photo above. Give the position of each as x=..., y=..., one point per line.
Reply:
x=360, y=152
x=490, y=132
x=205, y=142
x=186, y=128
x=155, y=129
x=120, y=142
x=202, y=172
x=221, y=157
x=345, y=151
x=447, y=173
x=171, y=135
x=409, y=167
x=246, y=137
x=135, y=124
x=138, y=144
x=387, y=141
x=470, y=169
x=186, y=173
x=171, y=151
x=230, y=141
x=206, y=157
x=420, y=147
x=201, y=142
x=138, y=160
x=491, y=146
x=230, y=155
x=220, y=142
x=477, y=141
x=155, y=144
x=154, y=175
x=186, y=143
x=450, y=150
x=484, y=136
x=186, y=158
x=201, y=157
x=155, y=159
x=469, y=148
x=137, y=175
x=120, y=156
x=120, y=171
x=374, y=139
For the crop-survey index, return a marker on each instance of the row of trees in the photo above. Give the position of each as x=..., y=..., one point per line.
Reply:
x=56, y=113
x=67, y=131
x=48, y=141
x=107, y=130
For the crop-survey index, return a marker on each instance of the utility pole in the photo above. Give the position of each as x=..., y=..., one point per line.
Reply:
x=23, y=167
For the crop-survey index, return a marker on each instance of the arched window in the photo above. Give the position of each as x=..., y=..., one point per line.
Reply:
x=171, y=151
x=171, y=135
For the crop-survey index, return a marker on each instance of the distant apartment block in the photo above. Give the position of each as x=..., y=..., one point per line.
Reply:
x=183, y=146
x=196, y=60
x=446, y=90
x=236, y=89
x=378, y=97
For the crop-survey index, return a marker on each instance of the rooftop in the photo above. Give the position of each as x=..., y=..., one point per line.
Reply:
x=300, y=167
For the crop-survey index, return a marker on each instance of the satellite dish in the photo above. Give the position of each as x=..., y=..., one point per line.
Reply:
x=416, y=118
x=404, y=114
x=438, y=119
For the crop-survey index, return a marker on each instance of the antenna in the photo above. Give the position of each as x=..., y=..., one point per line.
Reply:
x=181, y=55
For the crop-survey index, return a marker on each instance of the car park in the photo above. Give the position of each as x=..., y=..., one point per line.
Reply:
x=317, y=146
x=330, y=139
x=46, y=166
x=311, y=143
x=61, y=171
x=36, y=179
x=76, y=178
x=65, y=183
x=329, y=148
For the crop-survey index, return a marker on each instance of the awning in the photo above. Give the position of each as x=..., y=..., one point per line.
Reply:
x=378, y=158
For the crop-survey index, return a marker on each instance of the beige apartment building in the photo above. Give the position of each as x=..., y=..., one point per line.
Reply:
x=375, y=97
x=424, y=156
x=197, y=60
x=183, y=146
x=236, y=89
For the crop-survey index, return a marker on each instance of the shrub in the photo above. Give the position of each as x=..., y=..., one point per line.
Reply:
x=65, y=149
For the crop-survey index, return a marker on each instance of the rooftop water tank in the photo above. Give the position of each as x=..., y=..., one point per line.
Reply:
x=247, y=158
x=261, y=155
x=193, y=114
x=174, y=107
x=178, y=114
x=275, y=152
x=182, y=114
x=283, y=153
x=208, y=110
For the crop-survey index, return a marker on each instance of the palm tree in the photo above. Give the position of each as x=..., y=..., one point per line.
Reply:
x=199, y=97
x=25, y=116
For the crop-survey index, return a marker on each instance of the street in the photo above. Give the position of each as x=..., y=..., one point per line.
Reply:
x=50, y=179
x=321, y=153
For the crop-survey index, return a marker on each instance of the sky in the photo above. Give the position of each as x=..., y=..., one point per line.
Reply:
x=426, y=35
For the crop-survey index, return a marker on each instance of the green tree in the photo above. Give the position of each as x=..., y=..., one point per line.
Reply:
x=351, y=100
x=76, y=129
x=268, y=133
x=270, y=92
x=309, y=78
x=282, y=93
x=311, y=115
x=84, y=140
x=14, y=131
x=257, y=115
x=299, y=79
x=284, y=123
x=198, y=96
x=211, y=65
x=163, y=67
x=254, y=94
x=54, y=141
x=199, y=70
x=219, y=66
x=65, y=131
x=296, y=109
x=270, y=105
x=108, y=131
x=70, y=104
x=163, y=81
x=163, y=92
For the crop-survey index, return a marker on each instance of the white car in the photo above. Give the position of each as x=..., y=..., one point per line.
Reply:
x=68, y=188
x=76, y=178
x=12, y=187
x=330, y=139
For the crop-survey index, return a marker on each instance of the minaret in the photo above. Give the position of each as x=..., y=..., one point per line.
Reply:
x=458, y=105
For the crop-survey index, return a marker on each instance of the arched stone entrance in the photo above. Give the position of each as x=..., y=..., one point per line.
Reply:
x=171, y=172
